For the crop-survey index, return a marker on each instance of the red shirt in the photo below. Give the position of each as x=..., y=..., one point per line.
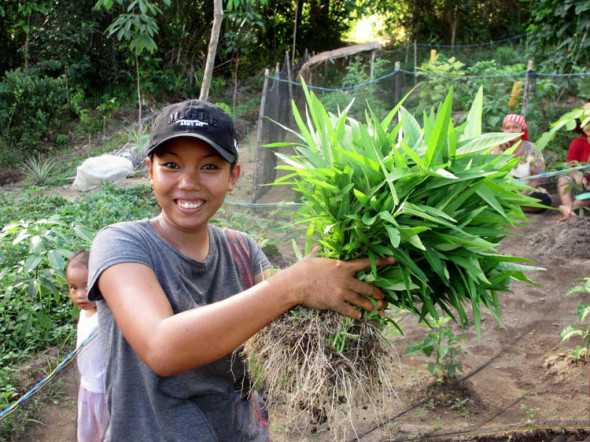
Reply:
x=579, y=150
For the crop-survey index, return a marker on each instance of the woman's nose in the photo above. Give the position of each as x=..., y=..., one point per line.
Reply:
x=189, y=180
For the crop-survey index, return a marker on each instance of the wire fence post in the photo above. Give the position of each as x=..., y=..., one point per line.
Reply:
x=415, y=62
x=525, y=97
x=259, y=135
x=289, y=75
x=397, y=80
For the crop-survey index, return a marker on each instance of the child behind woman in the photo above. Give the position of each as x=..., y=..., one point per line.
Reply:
x=93, y=416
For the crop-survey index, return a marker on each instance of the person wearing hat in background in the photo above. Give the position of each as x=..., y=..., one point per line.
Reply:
x=576, y=182
x=178, y=296
x=531, y=161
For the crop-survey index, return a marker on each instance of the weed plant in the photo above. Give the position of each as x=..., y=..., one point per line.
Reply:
x=38, y=169
x=442, y=345
x=580, y=330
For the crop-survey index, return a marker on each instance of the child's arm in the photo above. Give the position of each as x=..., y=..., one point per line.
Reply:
x=171, y=344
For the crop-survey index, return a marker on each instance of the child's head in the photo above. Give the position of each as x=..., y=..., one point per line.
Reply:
x=198, y=120
x=77, y=278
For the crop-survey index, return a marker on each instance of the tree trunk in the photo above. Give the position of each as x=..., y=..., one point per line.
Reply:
x=138, y=92
x=217, y=19
x=235, y=97
x=295, y=33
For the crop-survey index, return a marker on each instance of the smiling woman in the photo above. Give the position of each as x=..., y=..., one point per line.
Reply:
x=177, y=296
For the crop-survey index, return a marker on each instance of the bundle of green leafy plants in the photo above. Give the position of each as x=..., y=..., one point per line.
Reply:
x=432, y=196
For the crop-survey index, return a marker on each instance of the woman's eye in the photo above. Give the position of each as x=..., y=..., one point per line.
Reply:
x=171, y=165
x=210, y=167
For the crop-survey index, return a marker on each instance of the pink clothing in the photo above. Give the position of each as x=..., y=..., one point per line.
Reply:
x=579, y=151
x=93, y=416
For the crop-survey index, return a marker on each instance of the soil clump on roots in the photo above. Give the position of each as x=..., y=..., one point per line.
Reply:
x=320, y=366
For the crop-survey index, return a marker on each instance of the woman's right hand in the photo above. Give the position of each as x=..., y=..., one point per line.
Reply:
x=329, y=284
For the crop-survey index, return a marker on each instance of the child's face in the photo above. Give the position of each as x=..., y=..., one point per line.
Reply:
x=77, y=277
x=190, y=181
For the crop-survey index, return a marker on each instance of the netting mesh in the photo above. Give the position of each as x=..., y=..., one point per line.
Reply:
x=377, y=80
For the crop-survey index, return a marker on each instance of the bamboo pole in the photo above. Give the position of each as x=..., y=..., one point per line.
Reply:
x=259, y=136
x=397, y=85
x=525, y=98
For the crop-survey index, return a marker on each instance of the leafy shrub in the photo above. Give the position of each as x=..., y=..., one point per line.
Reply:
x=32, y=109
x=40, y=234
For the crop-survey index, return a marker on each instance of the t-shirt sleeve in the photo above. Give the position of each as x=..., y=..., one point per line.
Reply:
x=575, y=151
x=113, y=245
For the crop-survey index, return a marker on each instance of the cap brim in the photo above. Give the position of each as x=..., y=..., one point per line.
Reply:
x=227, y=156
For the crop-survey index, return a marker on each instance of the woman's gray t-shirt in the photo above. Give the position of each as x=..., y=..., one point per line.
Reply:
x=210, y=403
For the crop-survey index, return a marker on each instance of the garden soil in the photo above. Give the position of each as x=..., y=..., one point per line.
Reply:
x=518, y=381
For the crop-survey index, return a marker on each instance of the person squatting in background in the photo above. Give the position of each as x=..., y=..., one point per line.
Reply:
x=178, y=296
x=531, y=161
x=576, y=182
x=93, y=415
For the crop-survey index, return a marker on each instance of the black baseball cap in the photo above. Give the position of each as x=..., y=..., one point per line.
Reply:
x=196, y=119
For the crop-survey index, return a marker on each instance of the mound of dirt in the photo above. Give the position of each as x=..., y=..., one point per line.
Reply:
x=570, y=239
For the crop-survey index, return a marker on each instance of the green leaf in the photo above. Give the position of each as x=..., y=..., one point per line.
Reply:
x=32, y=263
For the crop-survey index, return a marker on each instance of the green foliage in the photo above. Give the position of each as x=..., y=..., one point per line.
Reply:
x=441, y=344
x=40, y=233
x=567, y=121
x=33, y=108
x=138, y=27
x=437, y=21
x=560, y=28
x=33, y=308
x=433, y=197
x=581, y=352
x=435, y=80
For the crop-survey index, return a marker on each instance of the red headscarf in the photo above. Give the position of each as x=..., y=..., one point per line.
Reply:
x=518, y=120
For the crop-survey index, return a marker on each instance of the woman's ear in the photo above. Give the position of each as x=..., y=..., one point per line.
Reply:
x=233, y=177
x=150, y=168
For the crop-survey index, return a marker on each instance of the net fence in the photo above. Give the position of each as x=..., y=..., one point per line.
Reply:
x=422, y=75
